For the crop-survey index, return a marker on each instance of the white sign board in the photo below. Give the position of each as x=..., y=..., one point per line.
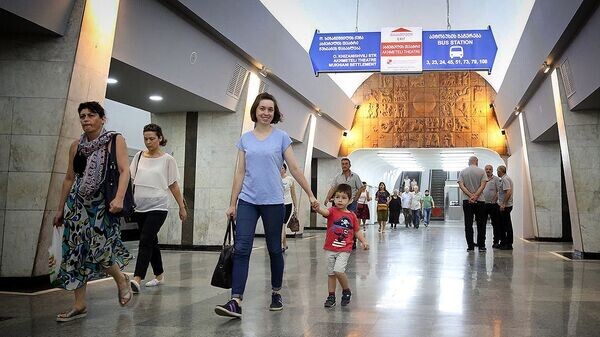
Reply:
x=401, y=50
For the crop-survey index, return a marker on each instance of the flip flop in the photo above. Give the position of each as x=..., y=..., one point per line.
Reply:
x=125, y=295
x=71, y=315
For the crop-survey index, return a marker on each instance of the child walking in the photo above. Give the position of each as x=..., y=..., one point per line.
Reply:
x=342, y=226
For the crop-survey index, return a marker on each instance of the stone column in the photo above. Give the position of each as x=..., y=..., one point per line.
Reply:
x=579, y=133
x=544, y=170
x=43, y=80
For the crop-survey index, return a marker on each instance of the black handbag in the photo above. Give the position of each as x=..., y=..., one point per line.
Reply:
x=111, y=183
x=223, y=271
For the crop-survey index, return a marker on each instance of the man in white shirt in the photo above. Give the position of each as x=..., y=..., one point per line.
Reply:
x=490, y=194
x=346, y=177
x=415, y=206
x=505, y=203
x=471, y=181
x=406, y=201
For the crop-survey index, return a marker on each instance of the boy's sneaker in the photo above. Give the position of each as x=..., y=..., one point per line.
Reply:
x=229, y=309
x=330, y=301
x=276, y=303
x=346, y=299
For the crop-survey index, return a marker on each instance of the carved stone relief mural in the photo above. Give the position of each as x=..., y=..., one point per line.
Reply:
x=431, y=110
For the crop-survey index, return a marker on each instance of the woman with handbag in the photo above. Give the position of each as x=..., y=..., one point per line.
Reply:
x=154, y=174
x=362, y=207
x=289, y=195
x=383, y=198
x=257, y=192
x=92, y=242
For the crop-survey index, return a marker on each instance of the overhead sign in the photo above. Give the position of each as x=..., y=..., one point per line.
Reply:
x=401, y=50
x=345, y=52
x=459, y=50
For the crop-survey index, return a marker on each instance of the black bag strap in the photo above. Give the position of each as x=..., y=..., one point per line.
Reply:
x=230, y=232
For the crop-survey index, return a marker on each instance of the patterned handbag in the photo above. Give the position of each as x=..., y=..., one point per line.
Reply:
x=294, y=224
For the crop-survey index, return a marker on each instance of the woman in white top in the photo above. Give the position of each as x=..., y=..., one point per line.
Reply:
x=362, y=208
x=155, y=176
x=289, y=196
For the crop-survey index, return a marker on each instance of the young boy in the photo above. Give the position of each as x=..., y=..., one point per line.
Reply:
x=342, y=226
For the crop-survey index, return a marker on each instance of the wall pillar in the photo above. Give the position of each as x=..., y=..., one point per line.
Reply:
x=43, y=81
x=579, y=133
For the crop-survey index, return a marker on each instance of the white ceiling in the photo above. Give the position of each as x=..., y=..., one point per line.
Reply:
x=506, y=17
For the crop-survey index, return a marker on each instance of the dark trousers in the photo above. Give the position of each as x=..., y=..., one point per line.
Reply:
x=247, y=217
x=149, y=224
x=407, y=216
x=507, y=231
x=476, y=209
x=416, y=217
x=492, y=210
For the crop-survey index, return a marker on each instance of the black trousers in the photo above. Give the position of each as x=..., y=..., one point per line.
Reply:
x=149, y=224
x=476, y=209
x=507, y=231
x=492, y=211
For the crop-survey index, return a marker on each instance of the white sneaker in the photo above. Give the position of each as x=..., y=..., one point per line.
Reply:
x=154, y=282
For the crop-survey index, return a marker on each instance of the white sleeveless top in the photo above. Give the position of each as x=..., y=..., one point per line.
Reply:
x=363, y=198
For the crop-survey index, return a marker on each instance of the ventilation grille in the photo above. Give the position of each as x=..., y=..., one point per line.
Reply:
x=567, y=78
x=236, y=84
x=263, y=87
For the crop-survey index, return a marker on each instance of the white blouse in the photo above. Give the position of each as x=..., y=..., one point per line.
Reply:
x=152, y=180
x=287, y=182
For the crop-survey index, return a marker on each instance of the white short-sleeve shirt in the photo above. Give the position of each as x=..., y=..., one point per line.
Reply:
x=152, y=179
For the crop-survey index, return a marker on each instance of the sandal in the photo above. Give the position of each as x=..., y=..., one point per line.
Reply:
x=125, y=295
x=71, y=315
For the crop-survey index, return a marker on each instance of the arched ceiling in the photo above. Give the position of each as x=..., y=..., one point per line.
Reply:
x=507, y=19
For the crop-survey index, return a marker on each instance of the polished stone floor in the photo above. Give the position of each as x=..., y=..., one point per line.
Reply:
x=413, y=282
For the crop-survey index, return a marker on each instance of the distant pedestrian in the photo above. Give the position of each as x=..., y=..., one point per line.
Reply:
x=471, y=181
x=395, y=206
x=505, y=203
x=383, y=198
x=415, y=206
x=492, y=209
x=362, y=209
x=406, y=201
x=428, y=205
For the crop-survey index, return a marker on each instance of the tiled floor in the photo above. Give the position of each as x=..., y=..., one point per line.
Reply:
x=413, y=282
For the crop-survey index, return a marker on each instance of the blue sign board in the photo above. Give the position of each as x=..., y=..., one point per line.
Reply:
x=459, y=50
x=345, y=52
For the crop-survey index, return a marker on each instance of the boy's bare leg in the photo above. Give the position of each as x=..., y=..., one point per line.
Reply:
x=343, y=279
x=331, y=283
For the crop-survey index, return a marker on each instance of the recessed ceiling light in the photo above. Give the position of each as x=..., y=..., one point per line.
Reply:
x=111, y=80
x=156, y=98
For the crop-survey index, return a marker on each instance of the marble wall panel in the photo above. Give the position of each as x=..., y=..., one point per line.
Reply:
x=4, y=152
x=6, y=112
x=32, y=153
x=21, y=232
x=37, y=116
x=27, y=190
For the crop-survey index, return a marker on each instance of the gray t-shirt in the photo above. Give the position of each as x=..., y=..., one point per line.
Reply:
x=491, y=188
x=507, y=184
x=472, y=177
x=353, y=180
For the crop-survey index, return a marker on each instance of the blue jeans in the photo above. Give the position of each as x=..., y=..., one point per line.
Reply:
x=246, y=219
x=426, y=215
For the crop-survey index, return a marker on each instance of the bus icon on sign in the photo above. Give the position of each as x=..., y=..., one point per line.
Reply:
x=456, y=51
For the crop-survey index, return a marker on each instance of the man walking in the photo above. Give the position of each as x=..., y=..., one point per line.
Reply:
x=505, y=204
x=490, y=194
x=472, y=181
x=346, y=177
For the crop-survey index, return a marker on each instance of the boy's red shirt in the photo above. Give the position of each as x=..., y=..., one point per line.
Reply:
x=341, y=227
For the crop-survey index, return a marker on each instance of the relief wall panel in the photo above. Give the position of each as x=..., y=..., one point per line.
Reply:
x=430, y=110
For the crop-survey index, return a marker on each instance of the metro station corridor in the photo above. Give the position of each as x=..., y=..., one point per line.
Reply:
x=412, y=282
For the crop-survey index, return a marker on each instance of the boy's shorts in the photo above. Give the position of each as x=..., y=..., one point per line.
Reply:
x=336, y=262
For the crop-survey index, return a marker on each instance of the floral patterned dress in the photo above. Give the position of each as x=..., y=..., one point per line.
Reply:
x=91, y=240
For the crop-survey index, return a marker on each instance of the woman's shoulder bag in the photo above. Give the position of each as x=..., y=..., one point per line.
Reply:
x=111, y=183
